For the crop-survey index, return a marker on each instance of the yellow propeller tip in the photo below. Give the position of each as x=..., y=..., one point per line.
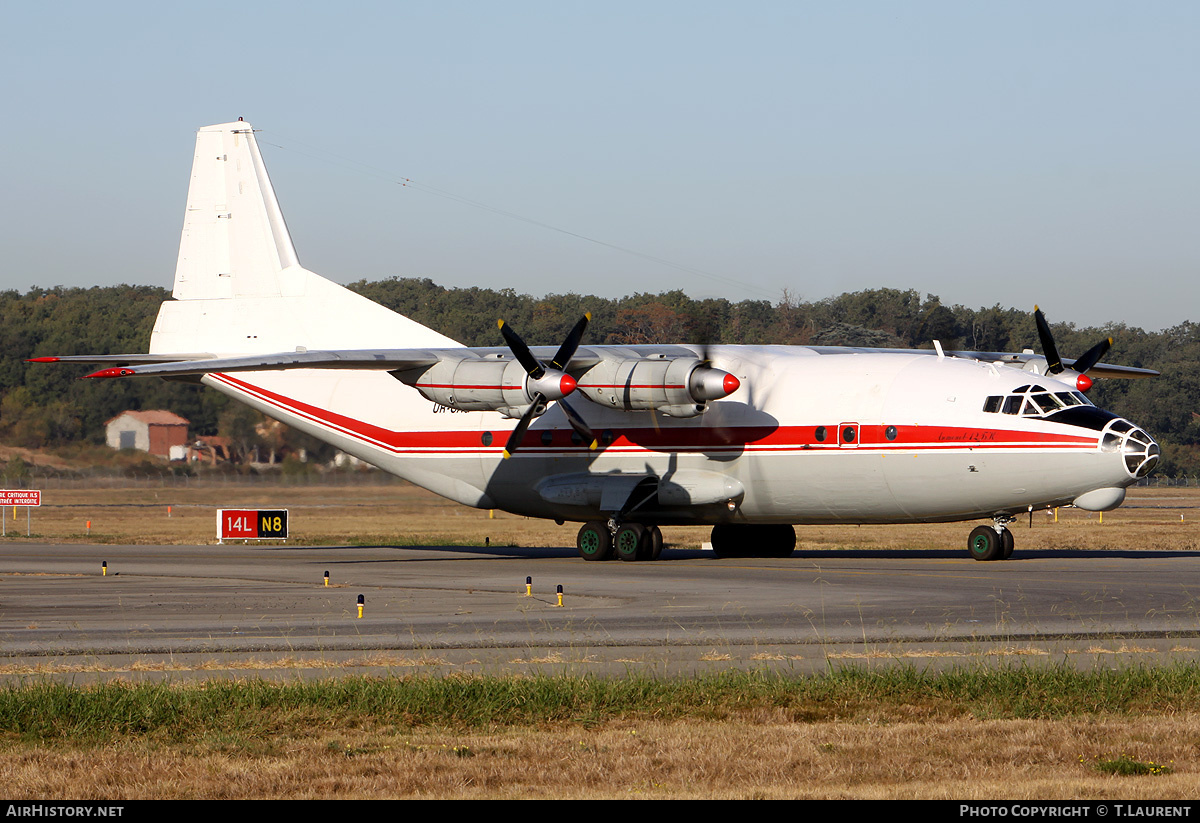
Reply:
x=592, y=447
x=506, y=454
x=499, y=324
x=588, y=315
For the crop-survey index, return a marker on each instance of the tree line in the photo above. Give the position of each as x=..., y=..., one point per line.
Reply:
x=48, y=406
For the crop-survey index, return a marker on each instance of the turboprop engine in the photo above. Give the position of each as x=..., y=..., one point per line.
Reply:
x=493, y=383
x=675, y=387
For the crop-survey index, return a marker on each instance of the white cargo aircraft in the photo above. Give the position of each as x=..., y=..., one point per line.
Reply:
x=748, y=439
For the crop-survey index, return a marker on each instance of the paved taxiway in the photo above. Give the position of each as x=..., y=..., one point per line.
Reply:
x=238, y=608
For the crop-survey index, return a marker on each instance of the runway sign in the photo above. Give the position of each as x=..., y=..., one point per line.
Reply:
x=252, y=524
x=20, y=497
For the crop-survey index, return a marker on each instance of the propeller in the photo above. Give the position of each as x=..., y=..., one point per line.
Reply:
x=1054, y=364
x=548, y=382
x=709, y=383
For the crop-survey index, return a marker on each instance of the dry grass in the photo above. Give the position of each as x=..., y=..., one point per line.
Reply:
x=401, y=514
x=761, y=757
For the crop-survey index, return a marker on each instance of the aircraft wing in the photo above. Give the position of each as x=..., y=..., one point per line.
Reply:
x=1024, y=360
x=180, y=365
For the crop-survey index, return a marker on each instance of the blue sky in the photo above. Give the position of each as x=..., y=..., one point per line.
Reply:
x=1003, y=153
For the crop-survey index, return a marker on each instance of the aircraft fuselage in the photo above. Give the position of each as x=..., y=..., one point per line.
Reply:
x=807, y=438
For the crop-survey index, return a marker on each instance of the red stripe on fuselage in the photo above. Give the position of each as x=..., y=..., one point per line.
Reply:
x=670, y=439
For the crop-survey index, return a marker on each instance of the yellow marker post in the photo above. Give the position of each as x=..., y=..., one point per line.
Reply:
x=529, y=587
x=1101, y=518
x=560, y=594
x=104, y=568
x=327, y=579
x=1056, y=514
x=361, y=599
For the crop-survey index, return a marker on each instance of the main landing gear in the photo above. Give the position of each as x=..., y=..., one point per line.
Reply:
x=600, y=540
x=992, y=542
x=753, y=540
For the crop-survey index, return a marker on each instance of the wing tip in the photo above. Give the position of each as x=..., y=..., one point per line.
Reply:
x=116, y=371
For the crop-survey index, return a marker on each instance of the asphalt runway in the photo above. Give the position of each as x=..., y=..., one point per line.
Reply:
x=264, y=610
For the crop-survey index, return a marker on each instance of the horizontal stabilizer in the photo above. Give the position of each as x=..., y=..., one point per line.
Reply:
x=121, y=359
x=360, y=359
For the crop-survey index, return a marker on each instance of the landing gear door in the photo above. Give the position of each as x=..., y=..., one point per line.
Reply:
x=848, y=435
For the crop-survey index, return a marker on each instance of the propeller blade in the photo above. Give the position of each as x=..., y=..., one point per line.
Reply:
x=567, y=350
x=524, y=356
x=518, y=434
x=705, y=343
x=578, y=424
x=1092, y=356
x=1053, y=361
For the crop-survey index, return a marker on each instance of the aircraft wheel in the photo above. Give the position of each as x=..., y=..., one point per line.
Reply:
x=594, y=541
x=725, y=541
x=654, y=543
x=1007, y=543
x=783, y=541
x=984, y=543
x=629, y=540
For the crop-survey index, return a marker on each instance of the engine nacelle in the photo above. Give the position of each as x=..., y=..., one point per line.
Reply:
x=474, y=384
x=676, y=387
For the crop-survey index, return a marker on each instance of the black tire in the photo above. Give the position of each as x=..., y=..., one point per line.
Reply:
x=629, y=540
x=984, y=543
x=1006, y=545
x=783, y=541
x=654, y=533
x=753, y=540
x=725, y=541
x=594, y=541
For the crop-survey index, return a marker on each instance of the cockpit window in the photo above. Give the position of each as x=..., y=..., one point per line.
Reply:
x=1039, y=404
x=1033, y=401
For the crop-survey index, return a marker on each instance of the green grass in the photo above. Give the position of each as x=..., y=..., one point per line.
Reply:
x=1126, y=766
x=250, y=709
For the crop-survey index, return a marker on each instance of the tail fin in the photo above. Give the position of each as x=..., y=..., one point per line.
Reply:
x=235, y=242
x=239, y=287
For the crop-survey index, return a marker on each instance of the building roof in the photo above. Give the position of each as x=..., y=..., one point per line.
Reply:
x=157, y=417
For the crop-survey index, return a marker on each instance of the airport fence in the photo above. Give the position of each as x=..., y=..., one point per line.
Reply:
x=1182, y=480
x=41, y=478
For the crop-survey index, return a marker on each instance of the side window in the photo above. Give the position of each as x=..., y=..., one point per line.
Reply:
x=1012, y=404
x=992, y=404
